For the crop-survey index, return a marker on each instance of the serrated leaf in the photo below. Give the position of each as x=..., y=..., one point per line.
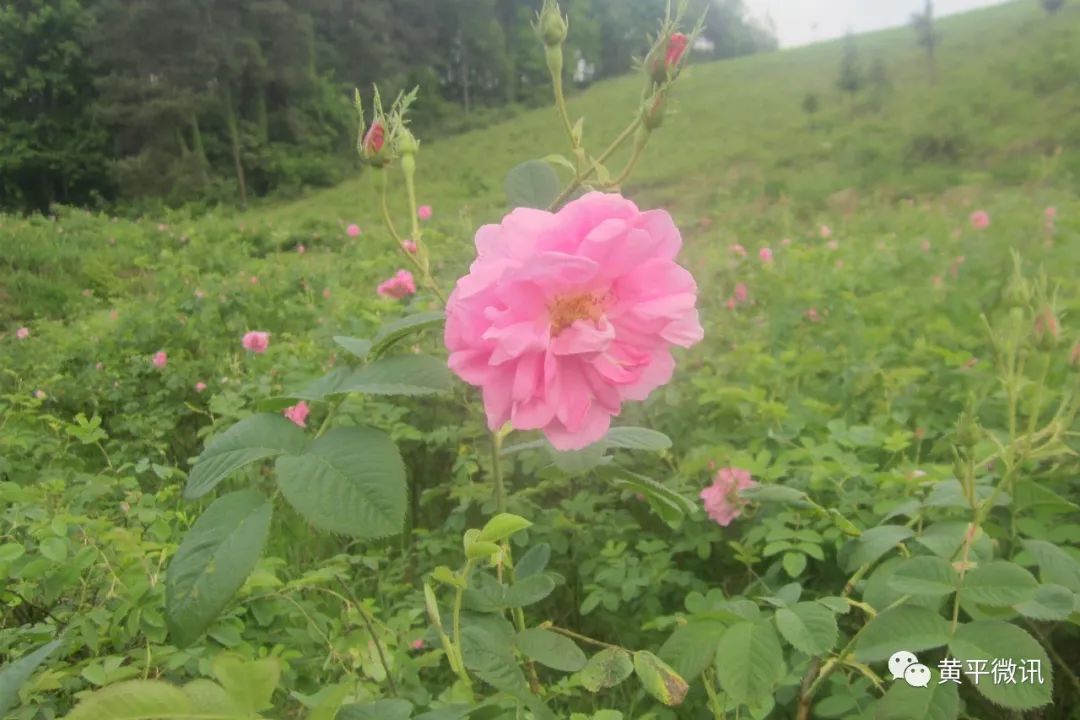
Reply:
x=14, y=674
x=134, y=700
x=532, y=184
x=925, y=575
x=907, y=627
x=605, y=669
x=255, y=438
x=210, y=699
x=750, y=661
x=990, y=640
x=636, y=438
x=659, y=679
x=810, y=627
x=998, y=584
x=776, y=494
x=529, y=590
x=213, y=560
x=1055, y=565
x=250, y=683
x=937, y=701
x=397, y=375
x=492, y=661
x=502, y=526
x=551, y=649
x=1050, y=602
x=533, y=562
x=692, y=647
x=349, y=481
x=794, y=563
x=875, y=542
x=356, y=346
x=394, y=332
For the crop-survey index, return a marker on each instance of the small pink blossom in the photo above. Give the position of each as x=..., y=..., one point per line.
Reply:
x=826, y=231
x=417, y=644
x=1050, y=214
x=200, y=386
x=297, y=413
x=812, y=315
x=738, y=250
x=833, y=245
x=980, y=220
x=766, y=255
x=731, y=303
x=326, y=293
x=256, y=341
x=398, y=286
x=160, y=359
x=301, y=248
x=925, y=245
x=424, y=212
x=565, y=316
x=374, y=138
x=741, y=293
x=721, y=499
x=39, y=394
x=353, y=230
x=22, y=333
x=410, y=246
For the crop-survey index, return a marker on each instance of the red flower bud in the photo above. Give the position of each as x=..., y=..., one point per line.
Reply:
x=675, y=50
x=374, y=139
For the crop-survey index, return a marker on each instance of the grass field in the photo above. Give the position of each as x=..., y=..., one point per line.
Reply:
x=884, y=317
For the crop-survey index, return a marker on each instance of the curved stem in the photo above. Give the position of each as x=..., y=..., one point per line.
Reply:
x=458, y=598
x=582, y=638
x=424, y=272
x=582, y=177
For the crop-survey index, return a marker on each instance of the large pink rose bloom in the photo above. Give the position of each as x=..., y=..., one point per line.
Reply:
x=564, y=316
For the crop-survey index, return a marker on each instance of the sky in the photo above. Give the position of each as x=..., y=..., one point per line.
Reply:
x=799, y=22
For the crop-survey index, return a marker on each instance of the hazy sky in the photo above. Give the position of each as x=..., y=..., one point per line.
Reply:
x=796, y=19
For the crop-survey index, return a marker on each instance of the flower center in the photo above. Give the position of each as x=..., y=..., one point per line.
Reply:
x=565, y=310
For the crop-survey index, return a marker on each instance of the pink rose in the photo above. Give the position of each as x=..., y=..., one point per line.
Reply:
x=398, y=286
x=160, y=359
x=200, y=386
x=424, y=212
x=721, y=499
x=22, y=333
x=256, y=341
x=980, y=220
x=353, y=230
x=297, y=413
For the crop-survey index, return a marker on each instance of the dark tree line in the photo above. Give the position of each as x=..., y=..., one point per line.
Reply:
x=105, y=101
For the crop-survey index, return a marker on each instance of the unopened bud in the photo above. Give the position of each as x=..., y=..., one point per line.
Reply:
x=967, y=433
x=373, y=147
x=552, y=25
x=1046, y=330
x=664, y=65
x=1017, y=293
x=406, y=141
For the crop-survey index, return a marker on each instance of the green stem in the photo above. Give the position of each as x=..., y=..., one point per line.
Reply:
x=458, y=598
x=582, y=638
x=582, y=177
x=554, y=63
x=496, y=473
x=425, y=273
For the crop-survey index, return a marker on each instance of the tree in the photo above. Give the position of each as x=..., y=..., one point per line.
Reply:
x=1052, y=6
x=851, y=77
x=52, y=147
x=810, y=106
x=927, y=36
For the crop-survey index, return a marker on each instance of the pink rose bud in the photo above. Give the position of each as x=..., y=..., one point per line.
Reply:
x=353, y=230
x=738, y=250
x=424, y=212
x=1050, y=214
x=675, y=50
x=410, y=246
x=22, y=333
x=326, y=293
x=160, y=359
x=200, y=386
x=766, y=255
x=741, y=293
x=826, y=231
x=374, y=138
x=254, y=280
x=980, y=220
x=417, y=644
x=256, y=341
x=301, y=249
x=731, y=303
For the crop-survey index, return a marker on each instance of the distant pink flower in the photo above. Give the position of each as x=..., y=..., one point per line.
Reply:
x=417, y=644
x=114, y=314
x=22, y=333
x=301, y=248
x=160, y=359
x=738, y=250
x=925, y=245
x=1050, y=214
x=936, y=281
x=564, y=316
x=812, y=315
x=786, y=242
x=297, y=413
x=833, y=245
x=254, y=279
x=741, y=293
x=326, y=293
x=39, y=394
x=424, y=212
x=721, y=499
x=200, y=386
x=980, y=220
x=256, y=341
x=353, y=230
x=766, y=255
x=162, y=227
x=826, y=231
x=409, y=245
x=731, y=303
x=398, y=286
